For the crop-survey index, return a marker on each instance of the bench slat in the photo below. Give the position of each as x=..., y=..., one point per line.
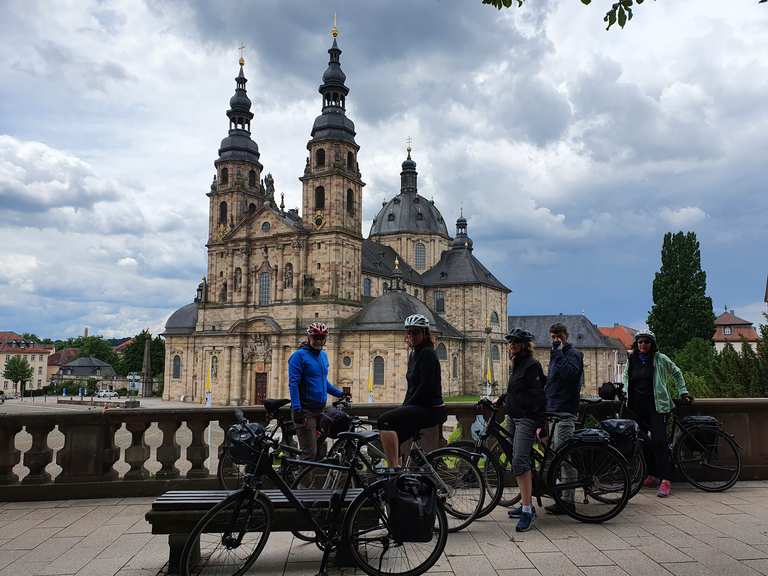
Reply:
x=204, y=500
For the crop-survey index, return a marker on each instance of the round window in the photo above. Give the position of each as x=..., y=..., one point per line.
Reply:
x=347, y=361
x=265, y=227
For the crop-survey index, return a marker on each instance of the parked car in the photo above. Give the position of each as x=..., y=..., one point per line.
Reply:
x=106, y=394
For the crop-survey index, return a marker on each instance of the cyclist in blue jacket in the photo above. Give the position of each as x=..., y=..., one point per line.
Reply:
x=309, y=387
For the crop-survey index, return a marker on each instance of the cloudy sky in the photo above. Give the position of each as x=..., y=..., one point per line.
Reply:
x=571, y=149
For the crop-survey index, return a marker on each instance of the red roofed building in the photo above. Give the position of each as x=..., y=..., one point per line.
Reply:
x=730, y=329
x=8, y=336
x=36, y=356
x=623, y=334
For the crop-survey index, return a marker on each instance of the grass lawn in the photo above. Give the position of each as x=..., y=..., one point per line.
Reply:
x=461, y=398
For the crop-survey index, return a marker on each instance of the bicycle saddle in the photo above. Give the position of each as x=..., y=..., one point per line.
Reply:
x=272, y=405
x=364, y=435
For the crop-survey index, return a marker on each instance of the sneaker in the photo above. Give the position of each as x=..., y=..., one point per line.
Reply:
x=515, y=512
x=665, y=488
x=650, y=481
x=558, y=509
x=526, y=521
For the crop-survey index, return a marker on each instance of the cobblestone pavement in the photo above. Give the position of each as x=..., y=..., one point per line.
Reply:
x=691, y=533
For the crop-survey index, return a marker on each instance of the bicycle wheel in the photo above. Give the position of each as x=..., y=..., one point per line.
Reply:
x=371, y=545
x=589, y=481
x=709, y=459
x=636, y=471
x=493, y=474
x=230, y=475
x=460, y=482
x=231, y=536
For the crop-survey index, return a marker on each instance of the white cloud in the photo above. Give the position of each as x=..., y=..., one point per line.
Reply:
x=682, y=217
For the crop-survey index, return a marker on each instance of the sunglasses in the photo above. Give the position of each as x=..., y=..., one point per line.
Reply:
x=313, y=337
x=643, y=341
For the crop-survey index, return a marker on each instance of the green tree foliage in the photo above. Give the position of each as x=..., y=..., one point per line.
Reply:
x=762, y=356
x=727, y=374
x=18, y=371
x=29, y=337
x=696, y=360
x=133, y=354
x=749, y=372
x=94, y=346
x=681, y=309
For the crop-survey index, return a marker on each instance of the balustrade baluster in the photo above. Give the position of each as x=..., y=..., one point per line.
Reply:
x=39, y=455
x=138, y=452
x=197, y=452
x=9, y=455
x=89, y=450
x=169, y=451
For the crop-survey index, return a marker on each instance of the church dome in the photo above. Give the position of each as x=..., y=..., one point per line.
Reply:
x=408, y=212
x=183, y=321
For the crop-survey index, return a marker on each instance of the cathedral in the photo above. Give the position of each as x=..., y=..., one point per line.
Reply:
x=272, y=271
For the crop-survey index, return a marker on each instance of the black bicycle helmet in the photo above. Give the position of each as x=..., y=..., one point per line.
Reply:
x=519, y=335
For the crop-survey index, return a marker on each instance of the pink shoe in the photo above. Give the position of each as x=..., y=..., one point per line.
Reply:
x=650, y=481
x=664, y=489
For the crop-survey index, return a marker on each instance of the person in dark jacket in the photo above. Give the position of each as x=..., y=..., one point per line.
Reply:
x=423, y=406
x=565, y=379
x=525, y=403
x=309, y=387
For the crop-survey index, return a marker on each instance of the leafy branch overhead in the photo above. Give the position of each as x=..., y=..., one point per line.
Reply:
x=620, y=12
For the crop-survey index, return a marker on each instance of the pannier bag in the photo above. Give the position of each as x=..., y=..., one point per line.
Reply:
x=412, y=505
x=704, y=429
x=244, y=442
x=623, y=435
x=334, y=421
x=591, y=435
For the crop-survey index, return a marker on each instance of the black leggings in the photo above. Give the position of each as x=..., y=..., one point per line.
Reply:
x=407, y=420
x=657, y=454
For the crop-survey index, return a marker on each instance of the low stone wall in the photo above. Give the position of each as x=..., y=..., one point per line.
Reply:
x=106, y=403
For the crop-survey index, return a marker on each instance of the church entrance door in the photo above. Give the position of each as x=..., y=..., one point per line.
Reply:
x=260, y=388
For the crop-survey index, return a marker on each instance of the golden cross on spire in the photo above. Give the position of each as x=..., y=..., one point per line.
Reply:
x=334, y=30
x=242, y=51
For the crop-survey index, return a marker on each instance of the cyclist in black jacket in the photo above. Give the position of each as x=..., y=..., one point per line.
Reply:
x=423, y=406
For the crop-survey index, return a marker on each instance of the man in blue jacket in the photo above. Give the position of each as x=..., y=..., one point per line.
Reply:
x=309, y=387
x=564, y=381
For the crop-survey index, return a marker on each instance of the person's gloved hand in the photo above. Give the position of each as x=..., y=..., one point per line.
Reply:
x=687, y=398
x=299, y=417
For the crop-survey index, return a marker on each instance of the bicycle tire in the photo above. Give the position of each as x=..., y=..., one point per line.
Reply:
x=208, y=531
x=637, y=468
x=464, y=482
x=600, y=469
x=493, y=474
x=689, y=442
x=356, y=523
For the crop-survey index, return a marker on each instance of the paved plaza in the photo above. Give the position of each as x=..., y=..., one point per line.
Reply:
x=690, y=534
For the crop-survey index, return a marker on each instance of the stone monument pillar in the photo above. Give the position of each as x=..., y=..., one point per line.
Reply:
x=146, y=369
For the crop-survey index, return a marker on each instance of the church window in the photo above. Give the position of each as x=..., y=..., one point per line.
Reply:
x=223, y=293
x=319, y=198
x=347, y=361
x=320, y=157
x=252, y=178
x=223, y=213
x=238, y=279
x=367, y=284
x=264, y=288
x=288, y=276
x=439, y=301
x=419, y=216
x=350, y=202
x=494, y=318
x=265, y=226
x=378, y=371
x=350, y=161
x=214, y=368
x=442, y=353
x=251, y=209
x=391, y=217
x=176, y=367
x=455, y=366
x=420, y=252
x=224, y=176
x=495, y=355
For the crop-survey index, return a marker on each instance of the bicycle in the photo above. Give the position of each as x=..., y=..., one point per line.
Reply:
x=586, y=476
x=233, y=533
x=455, y=472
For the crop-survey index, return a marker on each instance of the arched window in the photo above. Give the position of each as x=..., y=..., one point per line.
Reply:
x=420, y=256
x=390, y=217
x=252, y=178
x=367, y=284
x=442, y=353
x=288, y=276
x=350, y=161
x=319, y=198
x=223, y=213
x=223, y=293
x=455, y=366
x=494, y=318
x=495, y=356
x=320, y=157
x=176, y=367
x=214, y=368
x=439, y=301
x=238, y=279
x=350, y=202
x=224, y=176
x=265, y=282
x=419, y=216
x=251, y=209
x=378, y=371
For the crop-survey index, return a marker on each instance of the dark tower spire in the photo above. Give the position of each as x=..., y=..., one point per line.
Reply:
x=462, y=240
x=408, y=175
x=238, y=145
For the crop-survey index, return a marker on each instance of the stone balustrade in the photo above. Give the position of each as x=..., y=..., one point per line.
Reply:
x=143, y=452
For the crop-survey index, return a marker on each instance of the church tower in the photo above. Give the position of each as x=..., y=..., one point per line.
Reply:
x=332, y=195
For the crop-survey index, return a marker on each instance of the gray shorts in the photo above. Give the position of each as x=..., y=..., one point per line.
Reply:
x=522, y=443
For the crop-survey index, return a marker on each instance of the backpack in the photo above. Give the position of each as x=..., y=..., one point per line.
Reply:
x=623, y=435
x=333, y=421
x=412, y=507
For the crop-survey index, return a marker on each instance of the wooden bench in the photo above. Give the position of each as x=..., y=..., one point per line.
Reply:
x=176, y=513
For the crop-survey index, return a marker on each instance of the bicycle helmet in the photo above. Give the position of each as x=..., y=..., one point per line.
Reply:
x=519, y=335
x=417, y=321
x=645, y=334
x=317, y=329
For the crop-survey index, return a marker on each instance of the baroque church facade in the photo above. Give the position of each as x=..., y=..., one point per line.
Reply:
x=272, y=271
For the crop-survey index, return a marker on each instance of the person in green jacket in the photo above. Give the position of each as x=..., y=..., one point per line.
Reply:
x=650, y=379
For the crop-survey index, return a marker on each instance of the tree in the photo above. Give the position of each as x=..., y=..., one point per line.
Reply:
x=18, y=371
x=762, y=356
x=681, y=309
x=696, y=360
x=29, y=337
x=133, y=355
x=94, y=346
x=750, y=372
x=727, y=374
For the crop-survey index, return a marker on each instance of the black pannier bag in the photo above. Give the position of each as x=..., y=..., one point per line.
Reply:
x=245, y=442
x=591, y=435
x=623, y=435
x=704, y=429
x=333, y=421
x=412, y=505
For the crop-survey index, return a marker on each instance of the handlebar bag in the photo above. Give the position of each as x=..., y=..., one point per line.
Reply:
x=245, y=442
x=412, y=505
x=334, y=421
x=623, y=433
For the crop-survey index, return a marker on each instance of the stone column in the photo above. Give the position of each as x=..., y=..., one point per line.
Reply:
x=197, y=452
x=138, y=452
x=39, y=455
x=169, y=451
x=9, y=455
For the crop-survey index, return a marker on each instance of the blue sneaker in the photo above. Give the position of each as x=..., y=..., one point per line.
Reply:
x=515, y=512
x=526, y=521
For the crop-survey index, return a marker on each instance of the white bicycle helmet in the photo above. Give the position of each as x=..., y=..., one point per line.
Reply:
x=417, y=320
